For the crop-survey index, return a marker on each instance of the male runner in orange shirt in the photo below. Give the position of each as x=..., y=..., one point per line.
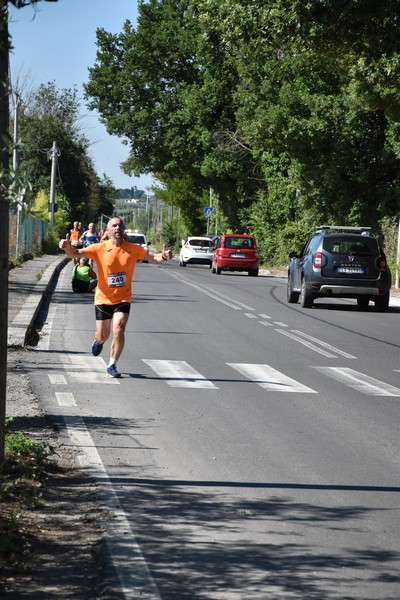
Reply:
x=115, y=259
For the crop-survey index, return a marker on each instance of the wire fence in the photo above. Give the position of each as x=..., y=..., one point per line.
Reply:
x=26, y=234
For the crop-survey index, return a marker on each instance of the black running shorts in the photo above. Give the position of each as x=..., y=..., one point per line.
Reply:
x=105, y=312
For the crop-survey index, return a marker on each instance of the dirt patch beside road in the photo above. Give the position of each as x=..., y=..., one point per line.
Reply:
x=66, y=554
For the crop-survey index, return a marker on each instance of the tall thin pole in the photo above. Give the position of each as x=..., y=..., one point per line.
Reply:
x=15, y=167
x=15, y=147
x=54, y=156
x=396, y=283
x=4, y=216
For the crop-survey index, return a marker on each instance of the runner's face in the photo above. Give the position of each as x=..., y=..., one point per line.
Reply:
x=116, y=228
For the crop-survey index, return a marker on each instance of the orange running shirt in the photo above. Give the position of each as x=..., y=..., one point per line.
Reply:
x=74, y=238
x=115, y=267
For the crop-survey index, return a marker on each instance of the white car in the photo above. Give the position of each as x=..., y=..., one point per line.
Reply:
x=135, y=237
x=196, y=251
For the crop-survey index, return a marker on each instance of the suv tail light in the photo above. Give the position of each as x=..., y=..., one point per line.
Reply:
x=382, y=265
x=319, y=260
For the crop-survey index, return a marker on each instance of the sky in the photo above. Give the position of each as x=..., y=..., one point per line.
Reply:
x=56, y=41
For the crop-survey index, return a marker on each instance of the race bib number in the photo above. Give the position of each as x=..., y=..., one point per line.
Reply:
x=116, y=280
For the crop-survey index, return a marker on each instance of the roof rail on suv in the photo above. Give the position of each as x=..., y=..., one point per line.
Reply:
x=324, y=229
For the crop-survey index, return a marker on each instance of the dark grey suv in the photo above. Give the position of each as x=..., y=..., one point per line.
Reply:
x=340, y=262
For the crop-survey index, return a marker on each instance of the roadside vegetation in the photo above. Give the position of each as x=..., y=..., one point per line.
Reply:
x=288, y=111
x=282, y=115
x=22, y=479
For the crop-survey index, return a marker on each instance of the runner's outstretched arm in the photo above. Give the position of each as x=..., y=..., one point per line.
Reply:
x=160, y=257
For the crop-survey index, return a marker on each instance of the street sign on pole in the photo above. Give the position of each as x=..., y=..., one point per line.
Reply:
x=208, y=210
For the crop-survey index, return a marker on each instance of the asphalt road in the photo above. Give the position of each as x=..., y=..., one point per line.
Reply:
x=250, y=449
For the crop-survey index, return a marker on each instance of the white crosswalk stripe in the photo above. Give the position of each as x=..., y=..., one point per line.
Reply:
x=270, y=379
x=57, y=379
x=359, y=381
x=177, y=373
x=65, y=399
x=82, y=369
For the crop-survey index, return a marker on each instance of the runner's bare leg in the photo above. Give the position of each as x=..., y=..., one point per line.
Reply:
x=118, y=341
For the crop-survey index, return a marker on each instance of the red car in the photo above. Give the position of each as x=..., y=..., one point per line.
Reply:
x=236, y=252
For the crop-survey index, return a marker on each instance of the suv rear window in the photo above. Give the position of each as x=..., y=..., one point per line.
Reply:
x=349, y=245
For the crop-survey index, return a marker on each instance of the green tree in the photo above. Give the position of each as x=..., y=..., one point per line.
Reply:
x=54, y=115
x=169, y=106
x=206, y=92
x=318, y=83
x=5, y=184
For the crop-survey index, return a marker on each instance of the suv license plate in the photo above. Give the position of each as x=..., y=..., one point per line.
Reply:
x=355, y=270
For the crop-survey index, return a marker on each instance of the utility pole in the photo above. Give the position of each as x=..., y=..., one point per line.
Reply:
x=15, y=168
x=396, y=283
x=15, y=147
x=55, y=153
x=4, y=217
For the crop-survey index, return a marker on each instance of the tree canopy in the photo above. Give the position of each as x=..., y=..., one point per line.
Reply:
x=288, y=110
x=53, y=114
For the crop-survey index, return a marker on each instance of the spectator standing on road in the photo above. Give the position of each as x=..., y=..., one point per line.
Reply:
x=115, y=259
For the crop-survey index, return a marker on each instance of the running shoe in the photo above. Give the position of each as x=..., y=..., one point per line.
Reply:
x=112, y=371
x=96, y=348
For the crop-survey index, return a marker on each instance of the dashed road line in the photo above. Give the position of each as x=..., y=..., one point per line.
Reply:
x=235, y=304
x=306, y=343
x=324, y=344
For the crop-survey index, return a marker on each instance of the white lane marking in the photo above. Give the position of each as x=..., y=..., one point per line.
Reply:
x=280, y=324
x=44, y=341
x=178, y=373
x=270, y=379
x=57, y=379
x=266, y=323
x=210, y=292
x=264, y=316
x=82, y=362
x=306, y=343
x=89, y=369
x=102, y=378
x=360, y=382
x=65, y=399
x=324, y=344
x=129, y=563
x=250, y=315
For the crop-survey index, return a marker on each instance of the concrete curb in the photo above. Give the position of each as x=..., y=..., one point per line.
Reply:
x=22, y=323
